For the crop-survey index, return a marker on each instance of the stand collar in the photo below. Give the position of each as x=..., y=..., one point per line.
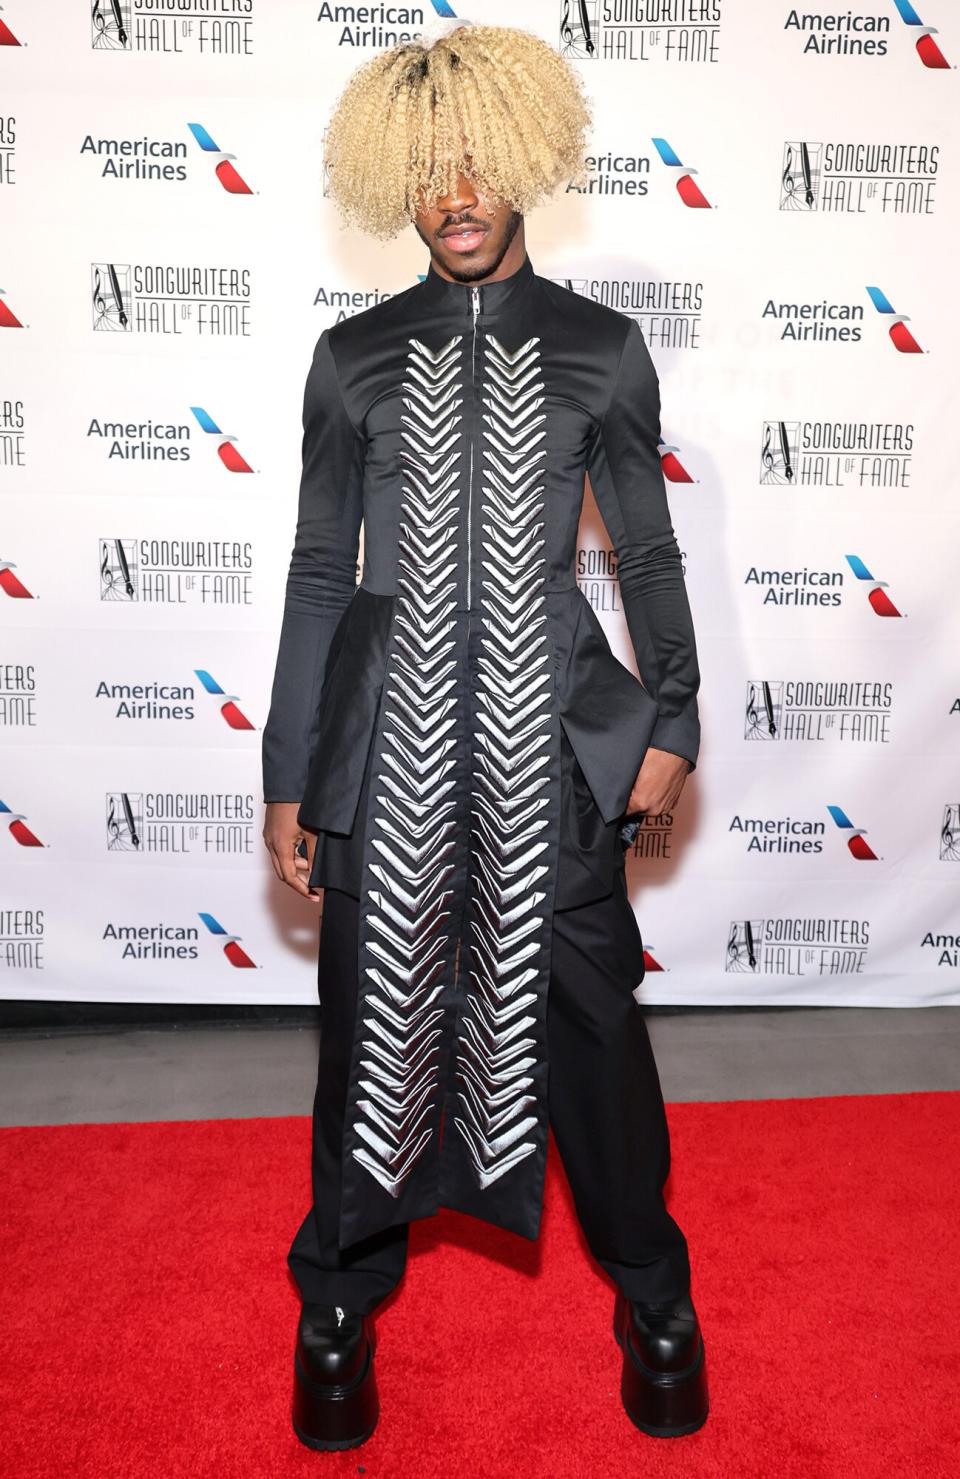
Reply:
x=495, y=296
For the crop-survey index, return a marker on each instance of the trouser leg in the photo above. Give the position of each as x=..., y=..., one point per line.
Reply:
x=359, y=1277
x=605, y=1099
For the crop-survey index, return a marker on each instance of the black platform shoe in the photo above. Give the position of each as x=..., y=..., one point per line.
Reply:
x=335, y=1401
x=664, y=1381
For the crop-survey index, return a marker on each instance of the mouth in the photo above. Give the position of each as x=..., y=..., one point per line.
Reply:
x=463, y=238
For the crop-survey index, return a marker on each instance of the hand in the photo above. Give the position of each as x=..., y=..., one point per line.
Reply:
x=282, y=835
x=659, y=782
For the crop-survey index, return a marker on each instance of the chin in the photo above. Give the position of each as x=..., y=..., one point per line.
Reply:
x=482, y=259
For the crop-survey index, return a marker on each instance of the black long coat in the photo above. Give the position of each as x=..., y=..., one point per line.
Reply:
x=455, y=727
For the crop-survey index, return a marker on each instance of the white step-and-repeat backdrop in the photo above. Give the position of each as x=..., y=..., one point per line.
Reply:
x=773, y=196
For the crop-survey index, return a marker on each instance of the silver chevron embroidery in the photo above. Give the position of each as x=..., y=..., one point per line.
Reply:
x=408, y=945
x=496, y=1049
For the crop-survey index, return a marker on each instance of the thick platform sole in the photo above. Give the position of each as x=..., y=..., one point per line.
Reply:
x=333, y=1418
x=663, y=1404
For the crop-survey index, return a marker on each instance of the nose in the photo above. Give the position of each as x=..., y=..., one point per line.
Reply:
x=463, y=198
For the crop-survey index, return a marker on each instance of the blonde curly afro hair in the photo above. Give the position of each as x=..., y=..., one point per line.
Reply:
x=495, y=103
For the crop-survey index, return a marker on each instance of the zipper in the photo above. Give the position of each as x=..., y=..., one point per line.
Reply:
x=475, y=309
x=475, y=302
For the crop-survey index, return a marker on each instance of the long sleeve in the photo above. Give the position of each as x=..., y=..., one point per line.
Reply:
x=321, y=578
x=627, y=481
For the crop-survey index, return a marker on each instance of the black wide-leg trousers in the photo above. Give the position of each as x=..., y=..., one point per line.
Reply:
x=605, y=1104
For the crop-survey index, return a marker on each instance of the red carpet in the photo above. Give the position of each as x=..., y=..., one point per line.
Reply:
x=148, y=1316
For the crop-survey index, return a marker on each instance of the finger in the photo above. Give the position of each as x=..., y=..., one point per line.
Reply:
x=291, y=876
x=306, y=865
x=301, y=871
x=275, y=860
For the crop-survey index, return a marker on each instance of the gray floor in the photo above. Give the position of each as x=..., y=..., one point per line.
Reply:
x=222, y=1073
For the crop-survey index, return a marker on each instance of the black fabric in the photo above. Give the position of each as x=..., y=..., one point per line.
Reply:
x=589, y=847
x=603, y=419
x=321, y=580
x=606, y=1113
x=457, y=729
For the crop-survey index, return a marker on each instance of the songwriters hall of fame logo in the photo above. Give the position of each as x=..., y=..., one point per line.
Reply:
x=18, y=695
x=871, y=456
x=22, y=939
x=792, y=946
x=859, y=179
x=176, y=572
x=124, y=822
x=173, y=28
x=845, y=711
x=950, y=833
x=631, y=296
x=181, y=823
x=590, y=30
x=8, y=149
x=118, y=570
x=763, y=711
x=206, y=302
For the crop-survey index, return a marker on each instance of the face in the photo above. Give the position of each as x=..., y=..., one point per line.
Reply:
x=466, y=237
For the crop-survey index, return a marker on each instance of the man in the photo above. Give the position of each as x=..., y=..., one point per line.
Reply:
x=454, y=754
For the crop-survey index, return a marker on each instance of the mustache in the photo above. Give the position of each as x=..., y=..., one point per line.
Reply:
x=459, y=225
